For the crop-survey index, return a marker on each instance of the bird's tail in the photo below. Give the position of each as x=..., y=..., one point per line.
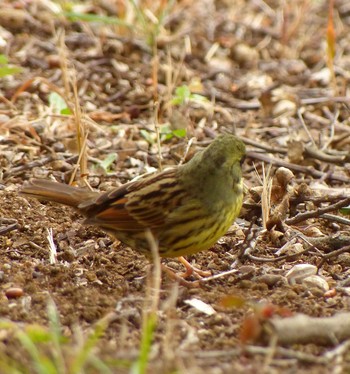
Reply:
x=42, y=189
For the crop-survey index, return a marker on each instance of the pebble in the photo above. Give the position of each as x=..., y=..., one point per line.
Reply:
x=299, y=272
x=245, y=55
x=315, y=281
x=271, y=279
x=61, y=165
x=284, y=107
x=14, y=293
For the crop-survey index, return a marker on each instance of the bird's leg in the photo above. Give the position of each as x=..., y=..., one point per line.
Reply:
x=178, y=278
x=192, y=270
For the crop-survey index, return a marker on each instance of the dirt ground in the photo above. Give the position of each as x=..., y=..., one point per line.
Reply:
x=262, y=71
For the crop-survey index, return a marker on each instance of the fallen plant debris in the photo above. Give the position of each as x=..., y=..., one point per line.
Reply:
x=98, y=93
x=303, y=329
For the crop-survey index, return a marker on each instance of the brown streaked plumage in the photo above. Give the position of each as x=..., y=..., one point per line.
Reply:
x=187, y=208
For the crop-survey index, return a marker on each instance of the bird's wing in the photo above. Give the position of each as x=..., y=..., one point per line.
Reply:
x=137, y=205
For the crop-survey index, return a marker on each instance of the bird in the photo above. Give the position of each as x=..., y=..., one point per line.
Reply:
x=187, y=208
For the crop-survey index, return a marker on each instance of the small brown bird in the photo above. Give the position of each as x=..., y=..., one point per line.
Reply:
x=187, y=208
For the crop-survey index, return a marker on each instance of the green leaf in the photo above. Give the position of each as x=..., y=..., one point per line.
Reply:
x=3, y=60
x=37, y=358
x=108, y=161
x=167, y=133
x=345, y=210
x=180, y=133
x=6, y=70
x=165, y=129
x=96, y=18
x=6, y=325
x=199, y=98
x=66, y=111
x=84, y=354
x=57, y=103
x=38, y=334
x=182, y=94
x=147, y=135
x=148, y=329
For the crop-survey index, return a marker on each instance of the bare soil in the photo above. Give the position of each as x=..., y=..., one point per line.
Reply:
x=263, y=68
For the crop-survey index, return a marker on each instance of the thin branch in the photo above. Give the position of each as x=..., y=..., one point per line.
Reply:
x=30, y=165
x=9, y=228
x=333, y=254
x=318, y=212
x=303, y=169
x=334, y=218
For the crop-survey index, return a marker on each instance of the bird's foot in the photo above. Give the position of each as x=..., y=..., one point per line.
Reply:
x=191, y=270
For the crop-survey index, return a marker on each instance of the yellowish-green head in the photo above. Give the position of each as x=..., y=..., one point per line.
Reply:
x=215, y=173
x=214, y=194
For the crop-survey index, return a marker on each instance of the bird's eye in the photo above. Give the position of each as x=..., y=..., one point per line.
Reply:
x=220, y=160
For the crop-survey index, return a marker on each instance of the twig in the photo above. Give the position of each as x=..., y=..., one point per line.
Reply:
x=5, y=230
x=36, y=246
x=318, y=154
x=257, y=350
x=303, y=329
x=52, y=246
x=317, y=200
x=250, y=239
x=327, y=244
x=217, y=276
x=301, y=119
x=338, y=350
x=333, y=254
x=265, y=147
x=270, y=354
x=189, y=144
x=332, y=217
x=318, y=212
x=30, y=165
x=326, y=99
x=303, y=169
x=276, y=259
x=233, y=103
x=331, y=137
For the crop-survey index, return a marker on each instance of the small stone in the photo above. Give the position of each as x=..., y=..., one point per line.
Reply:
x=321, y=77
x=61, y=165
x=299, y=272
x=271, y=279
x=247, y=271
x=91, y=276
x=260, y=287
x=245, y=55
x=330, y=293
x=284, y=107
x=14, y=293
x=58, y=147
x=315, y=291
x=315, y=281
x=284, y=176
x=245, y=284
